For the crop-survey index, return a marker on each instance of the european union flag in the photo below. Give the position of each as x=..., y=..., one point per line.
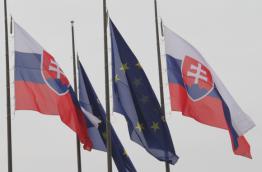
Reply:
x=93, y=111
x=134, y=98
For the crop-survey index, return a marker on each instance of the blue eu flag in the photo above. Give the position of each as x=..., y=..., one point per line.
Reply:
x=134, y=98
x=96, y=121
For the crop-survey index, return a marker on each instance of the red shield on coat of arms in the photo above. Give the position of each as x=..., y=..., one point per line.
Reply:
x=197, y=78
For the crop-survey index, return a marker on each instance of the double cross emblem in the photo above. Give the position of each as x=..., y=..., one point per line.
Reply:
x=197, y=78
x=54, y=67
x=199, y=74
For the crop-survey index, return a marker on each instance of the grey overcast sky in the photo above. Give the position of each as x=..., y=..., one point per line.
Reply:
x=227, y=32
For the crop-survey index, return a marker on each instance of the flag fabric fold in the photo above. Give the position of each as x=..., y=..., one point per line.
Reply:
x=97, y=130
x=197, y=92
x=134, y=98
x=41, y=85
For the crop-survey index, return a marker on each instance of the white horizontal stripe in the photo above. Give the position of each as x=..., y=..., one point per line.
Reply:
x=24, y=42
x=175, y=46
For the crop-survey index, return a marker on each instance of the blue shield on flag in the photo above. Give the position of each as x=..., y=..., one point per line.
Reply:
x=197, y=78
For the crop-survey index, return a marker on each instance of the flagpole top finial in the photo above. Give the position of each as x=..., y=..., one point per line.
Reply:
x=72, y=22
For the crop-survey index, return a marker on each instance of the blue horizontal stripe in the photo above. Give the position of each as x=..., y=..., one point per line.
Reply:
x=174, y=70
x=227, y=114
x=28, y=75
x=28, y=67
x=27, y=60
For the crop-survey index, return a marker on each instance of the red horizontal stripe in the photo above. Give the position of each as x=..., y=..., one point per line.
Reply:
x=243, y=148
x=37, y=97
x=40, y=98
x=208, y=111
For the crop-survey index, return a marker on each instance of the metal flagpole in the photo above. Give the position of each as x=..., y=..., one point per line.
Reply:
x=8, y=101
x=108, y=124
x=79, y=165
x=160, y=71
x=11, y=25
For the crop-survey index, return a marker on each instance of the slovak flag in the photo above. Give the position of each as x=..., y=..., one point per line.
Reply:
x=41, y=85
x=197, y=92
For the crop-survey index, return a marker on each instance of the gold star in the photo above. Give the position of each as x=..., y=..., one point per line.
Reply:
x=125, y=153
x=117, y=78
x=163, y=118
x=144, y=99
x=137, y=82
x=98, y=101
x=138, y=65
x=140, y=126
x=104, y=135
x=157, y=110
x=124, y=67
x=155, y=126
